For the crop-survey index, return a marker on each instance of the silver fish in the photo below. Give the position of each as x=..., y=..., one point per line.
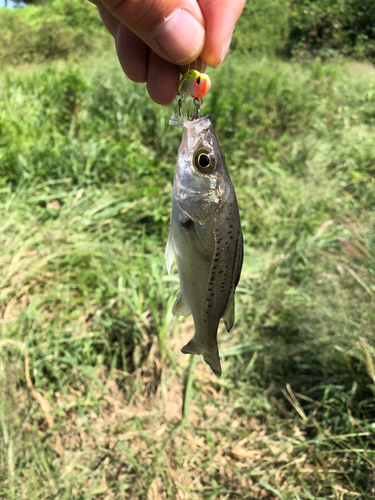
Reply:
x=205, y=236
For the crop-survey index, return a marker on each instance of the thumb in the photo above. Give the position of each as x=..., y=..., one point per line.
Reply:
x=174, y=29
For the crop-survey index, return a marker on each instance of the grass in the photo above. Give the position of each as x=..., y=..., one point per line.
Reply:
x=86, y=175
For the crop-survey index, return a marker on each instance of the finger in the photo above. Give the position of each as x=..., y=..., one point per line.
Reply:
x=162, y=79
x=220, y=20
x=110, y=22
x=174, y=29
x=132, y=53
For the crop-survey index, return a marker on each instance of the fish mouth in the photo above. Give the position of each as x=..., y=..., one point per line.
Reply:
x=187, y=192
x=199, y=124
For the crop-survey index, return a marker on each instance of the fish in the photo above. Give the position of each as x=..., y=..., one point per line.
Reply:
x=194, y=83
x=205, y=237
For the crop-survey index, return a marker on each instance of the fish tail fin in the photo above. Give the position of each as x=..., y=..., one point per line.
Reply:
x=210, y=357
x=192, y=348
x=213, y=361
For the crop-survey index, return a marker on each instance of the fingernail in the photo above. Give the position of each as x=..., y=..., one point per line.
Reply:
x=181, y=36
x=226, y=47
x=224, y=52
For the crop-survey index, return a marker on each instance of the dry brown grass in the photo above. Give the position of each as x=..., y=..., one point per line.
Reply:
x=140, y=438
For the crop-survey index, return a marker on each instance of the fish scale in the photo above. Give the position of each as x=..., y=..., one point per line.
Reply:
x=205, y=237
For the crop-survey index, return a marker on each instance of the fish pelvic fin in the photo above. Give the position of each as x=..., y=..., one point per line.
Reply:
x=210, y=357
x=179, y=307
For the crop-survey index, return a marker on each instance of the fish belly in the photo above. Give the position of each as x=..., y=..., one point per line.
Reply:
x=194, y=248
x=206, y=256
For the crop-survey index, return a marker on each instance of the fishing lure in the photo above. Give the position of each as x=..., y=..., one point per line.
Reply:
x=194, y=83
x=197, y=85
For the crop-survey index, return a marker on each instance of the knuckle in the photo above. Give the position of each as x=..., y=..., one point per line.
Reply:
x=144, y=15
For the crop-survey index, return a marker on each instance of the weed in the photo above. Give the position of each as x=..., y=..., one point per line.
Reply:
x=85, y=190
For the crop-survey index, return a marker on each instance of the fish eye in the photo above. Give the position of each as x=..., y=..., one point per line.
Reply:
x=198, y=80
x=205, y=161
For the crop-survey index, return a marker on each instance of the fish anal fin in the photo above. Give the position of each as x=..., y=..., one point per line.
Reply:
x=179, y=307
x=210, y=357
x=228, y=315
x=169, y=251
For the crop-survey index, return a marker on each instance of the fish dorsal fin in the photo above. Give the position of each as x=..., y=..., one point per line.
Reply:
x=228, y=315
x=169, y=251
x=239, y=259
x=179, y=307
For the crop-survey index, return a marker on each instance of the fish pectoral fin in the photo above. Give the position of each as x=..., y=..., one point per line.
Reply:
x=179, y=307
x=184, y=220
x=210, y=357
x=169, y=251
x=228, y=315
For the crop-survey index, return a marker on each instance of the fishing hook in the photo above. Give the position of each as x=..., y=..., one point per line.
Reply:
x=179, y=98
x=197, y=103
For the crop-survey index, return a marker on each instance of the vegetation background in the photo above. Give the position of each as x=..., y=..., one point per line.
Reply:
x=107, y=407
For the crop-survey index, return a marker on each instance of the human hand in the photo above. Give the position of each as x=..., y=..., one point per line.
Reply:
x=155, y=40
